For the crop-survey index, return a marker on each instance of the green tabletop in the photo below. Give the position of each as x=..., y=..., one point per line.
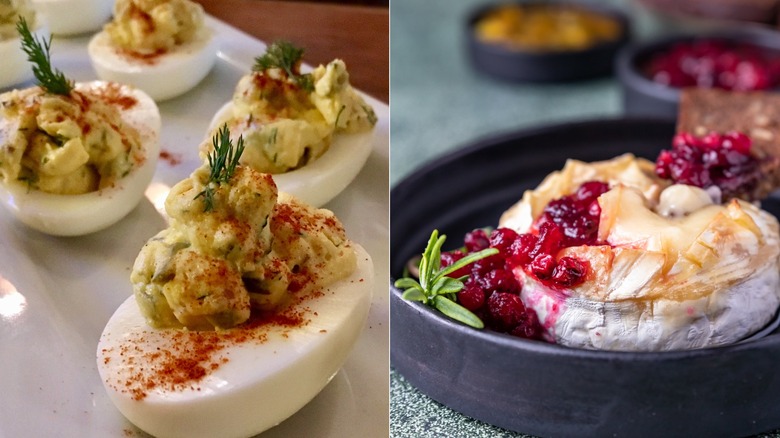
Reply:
x=439, y=103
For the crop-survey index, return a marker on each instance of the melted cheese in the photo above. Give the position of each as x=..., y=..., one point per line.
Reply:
x=698, y=274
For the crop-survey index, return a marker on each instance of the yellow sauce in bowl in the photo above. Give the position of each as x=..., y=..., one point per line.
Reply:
x=539, y=27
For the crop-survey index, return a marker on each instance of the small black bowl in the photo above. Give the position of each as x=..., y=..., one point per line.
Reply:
x=642, y=97
x=543, y=389
x=518, y=65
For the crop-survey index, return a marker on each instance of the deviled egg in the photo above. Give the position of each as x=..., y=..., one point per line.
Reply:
x=62, y=18
x=14, y=68
x=76, y=164
x=162, y=47
x=74, y=158
x=245, y=307
x=312, y=131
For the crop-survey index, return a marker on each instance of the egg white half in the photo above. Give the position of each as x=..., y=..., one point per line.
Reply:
x=72, y=17
x=165, y=76
x=73, y=215
x=260, y=385
x=321, y=180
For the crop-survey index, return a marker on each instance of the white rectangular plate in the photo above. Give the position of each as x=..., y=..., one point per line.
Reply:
x=56, y=294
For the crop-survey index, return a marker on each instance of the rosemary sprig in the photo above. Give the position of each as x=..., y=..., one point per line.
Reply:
x=435, y=288
x=49, y=78
x=285, y=56
x=223, y=161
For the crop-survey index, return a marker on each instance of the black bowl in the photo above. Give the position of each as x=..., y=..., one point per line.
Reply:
x=546, y=66
x=642, y=97
x=545, y=389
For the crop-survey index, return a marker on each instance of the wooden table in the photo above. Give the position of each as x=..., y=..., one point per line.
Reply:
x=357, y=34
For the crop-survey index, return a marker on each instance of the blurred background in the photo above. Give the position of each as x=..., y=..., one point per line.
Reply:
x=441, y=101
x=451, y=90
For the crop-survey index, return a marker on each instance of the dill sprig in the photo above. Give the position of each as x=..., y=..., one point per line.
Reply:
x=222, y=161
x=285, y=56
x=49, y=78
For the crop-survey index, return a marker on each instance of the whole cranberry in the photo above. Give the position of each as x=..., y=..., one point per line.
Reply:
x=683, y=138
x=690, y=173
x=451, y=257
x=482, y=266
x=662, y=163
x=709, y=141
x=550, y=239
x=689, y=152
x=570, y=272
x=581, y=231
x=476, y=241
x=590, y=191
x=737, y=142
x=506, y=310
x=522, y=247
x=471, y=296
x=502, y=239
x=528, y=327
x=561, y=208
x=543, y=266
x=499, y=280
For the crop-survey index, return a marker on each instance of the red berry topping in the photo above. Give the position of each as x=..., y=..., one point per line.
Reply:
x=722, y=160
x=715, y=64
x=506, y=310
x=483, y=266
x=522, y=248
x=550, y=239
x=576, y=216
x=737, y=142
x=570, y=271
x=590, y=191
x=543, y=266
x=449, y=258
x=528, y=327
x=476, y=240
x=568, y=221
x=471, y=296
x=502, y=239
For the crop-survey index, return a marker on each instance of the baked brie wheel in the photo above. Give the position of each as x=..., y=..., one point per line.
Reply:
x=676, y=269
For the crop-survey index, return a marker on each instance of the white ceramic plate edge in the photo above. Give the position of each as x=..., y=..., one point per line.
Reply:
x=57, y=293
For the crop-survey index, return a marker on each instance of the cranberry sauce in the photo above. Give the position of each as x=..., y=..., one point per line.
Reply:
x=714, y=63
x=492, y=291
x=722, y=160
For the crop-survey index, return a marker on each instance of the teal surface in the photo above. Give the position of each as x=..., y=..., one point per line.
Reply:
x=439, y=103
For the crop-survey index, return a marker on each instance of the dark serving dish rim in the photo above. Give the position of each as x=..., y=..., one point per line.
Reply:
x=544, y=348
x=543, y=389
x=755, y=341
